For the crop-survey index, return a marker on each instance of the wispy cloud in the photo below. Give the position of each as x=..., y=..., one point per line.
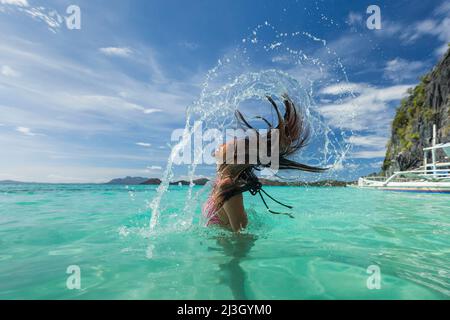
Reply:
x=20, y=3
x=152, y=110
x=367, y=108
x=442, y=9
x=368, y=146
x=368, y=141
x=26, y=131
x=7, y=71
x=437, y=25
x=144, y=144
x=400, y=70
x=343, y=88
x=116, y=51
x=154, y=168
x=369, y=154
x=50, y=17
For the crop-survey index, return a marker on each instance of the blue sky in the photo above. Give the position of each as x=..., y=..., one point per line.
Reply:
x=101, y=102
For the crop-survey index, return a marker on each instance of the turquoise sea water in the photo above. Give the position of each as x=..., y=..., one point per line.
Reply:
x=323, y=253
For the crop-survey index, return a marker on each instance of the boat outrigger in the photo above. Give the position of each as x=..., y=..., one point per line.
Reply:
x=430, y=177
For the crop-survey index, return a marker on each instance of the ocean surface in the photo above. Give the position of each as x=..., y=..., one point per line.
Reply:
x=338, y=238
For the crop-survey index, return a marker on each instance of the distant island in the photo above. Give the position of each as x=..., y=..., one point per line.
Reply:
x=13, y=182
x=204, y=181
x=129, y=180
x=200, y=182
x=322, y=183
x=156, y=181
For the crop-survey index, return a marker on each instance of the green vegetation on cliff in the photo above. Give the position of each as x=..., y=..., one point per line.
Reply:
x=426, y=104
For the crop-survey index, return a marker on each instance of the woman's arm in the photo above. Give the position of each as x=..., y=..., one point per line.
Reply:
x=234, y=208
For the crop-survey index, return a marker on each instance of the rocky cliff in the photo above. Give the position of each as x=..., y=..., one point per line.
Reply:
x=412, y=128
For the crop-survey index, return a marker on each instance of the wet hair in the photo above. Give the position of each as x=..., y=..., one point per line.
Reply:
x=293, y=135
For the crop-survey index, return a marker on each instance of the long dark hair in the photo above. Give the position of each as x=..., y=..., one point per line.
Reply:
x=293, y=134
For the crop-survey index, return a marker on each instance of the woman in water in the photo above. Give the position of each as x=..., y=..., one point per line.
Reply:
x=225, y=206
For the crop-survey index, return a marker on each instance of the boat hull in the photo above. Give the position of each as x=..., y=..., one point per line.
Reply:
x=419, y=186
x=415, y=190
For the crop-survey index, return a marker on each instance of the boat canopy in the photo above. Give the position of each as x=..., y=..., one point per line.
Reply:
x=444, y=146
x=447, y=149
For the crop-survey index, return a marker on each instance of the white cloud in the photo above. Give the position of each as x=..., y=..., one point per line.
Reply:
x=368, y=141
x=368, y=146
x=151, y=110
x=437, y=25
x=443, y=9
x=426, y=26
x=7, y=71
x=343, y=88
x=368, y=154
x=154, y=168
x=50, y=17
x=143, y=144
x=116, y=51
x=419, y=29
x=20, y=3
x=368, y=109
x=26, y=131
x=399, y=70
x=390, y=28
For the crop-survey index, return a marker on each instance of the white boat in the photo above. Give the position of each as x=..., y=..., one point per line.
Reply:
x=430, y=177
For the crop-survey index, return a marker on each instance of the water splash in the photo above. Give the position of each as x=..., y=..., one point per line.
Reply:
x=266, y=62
